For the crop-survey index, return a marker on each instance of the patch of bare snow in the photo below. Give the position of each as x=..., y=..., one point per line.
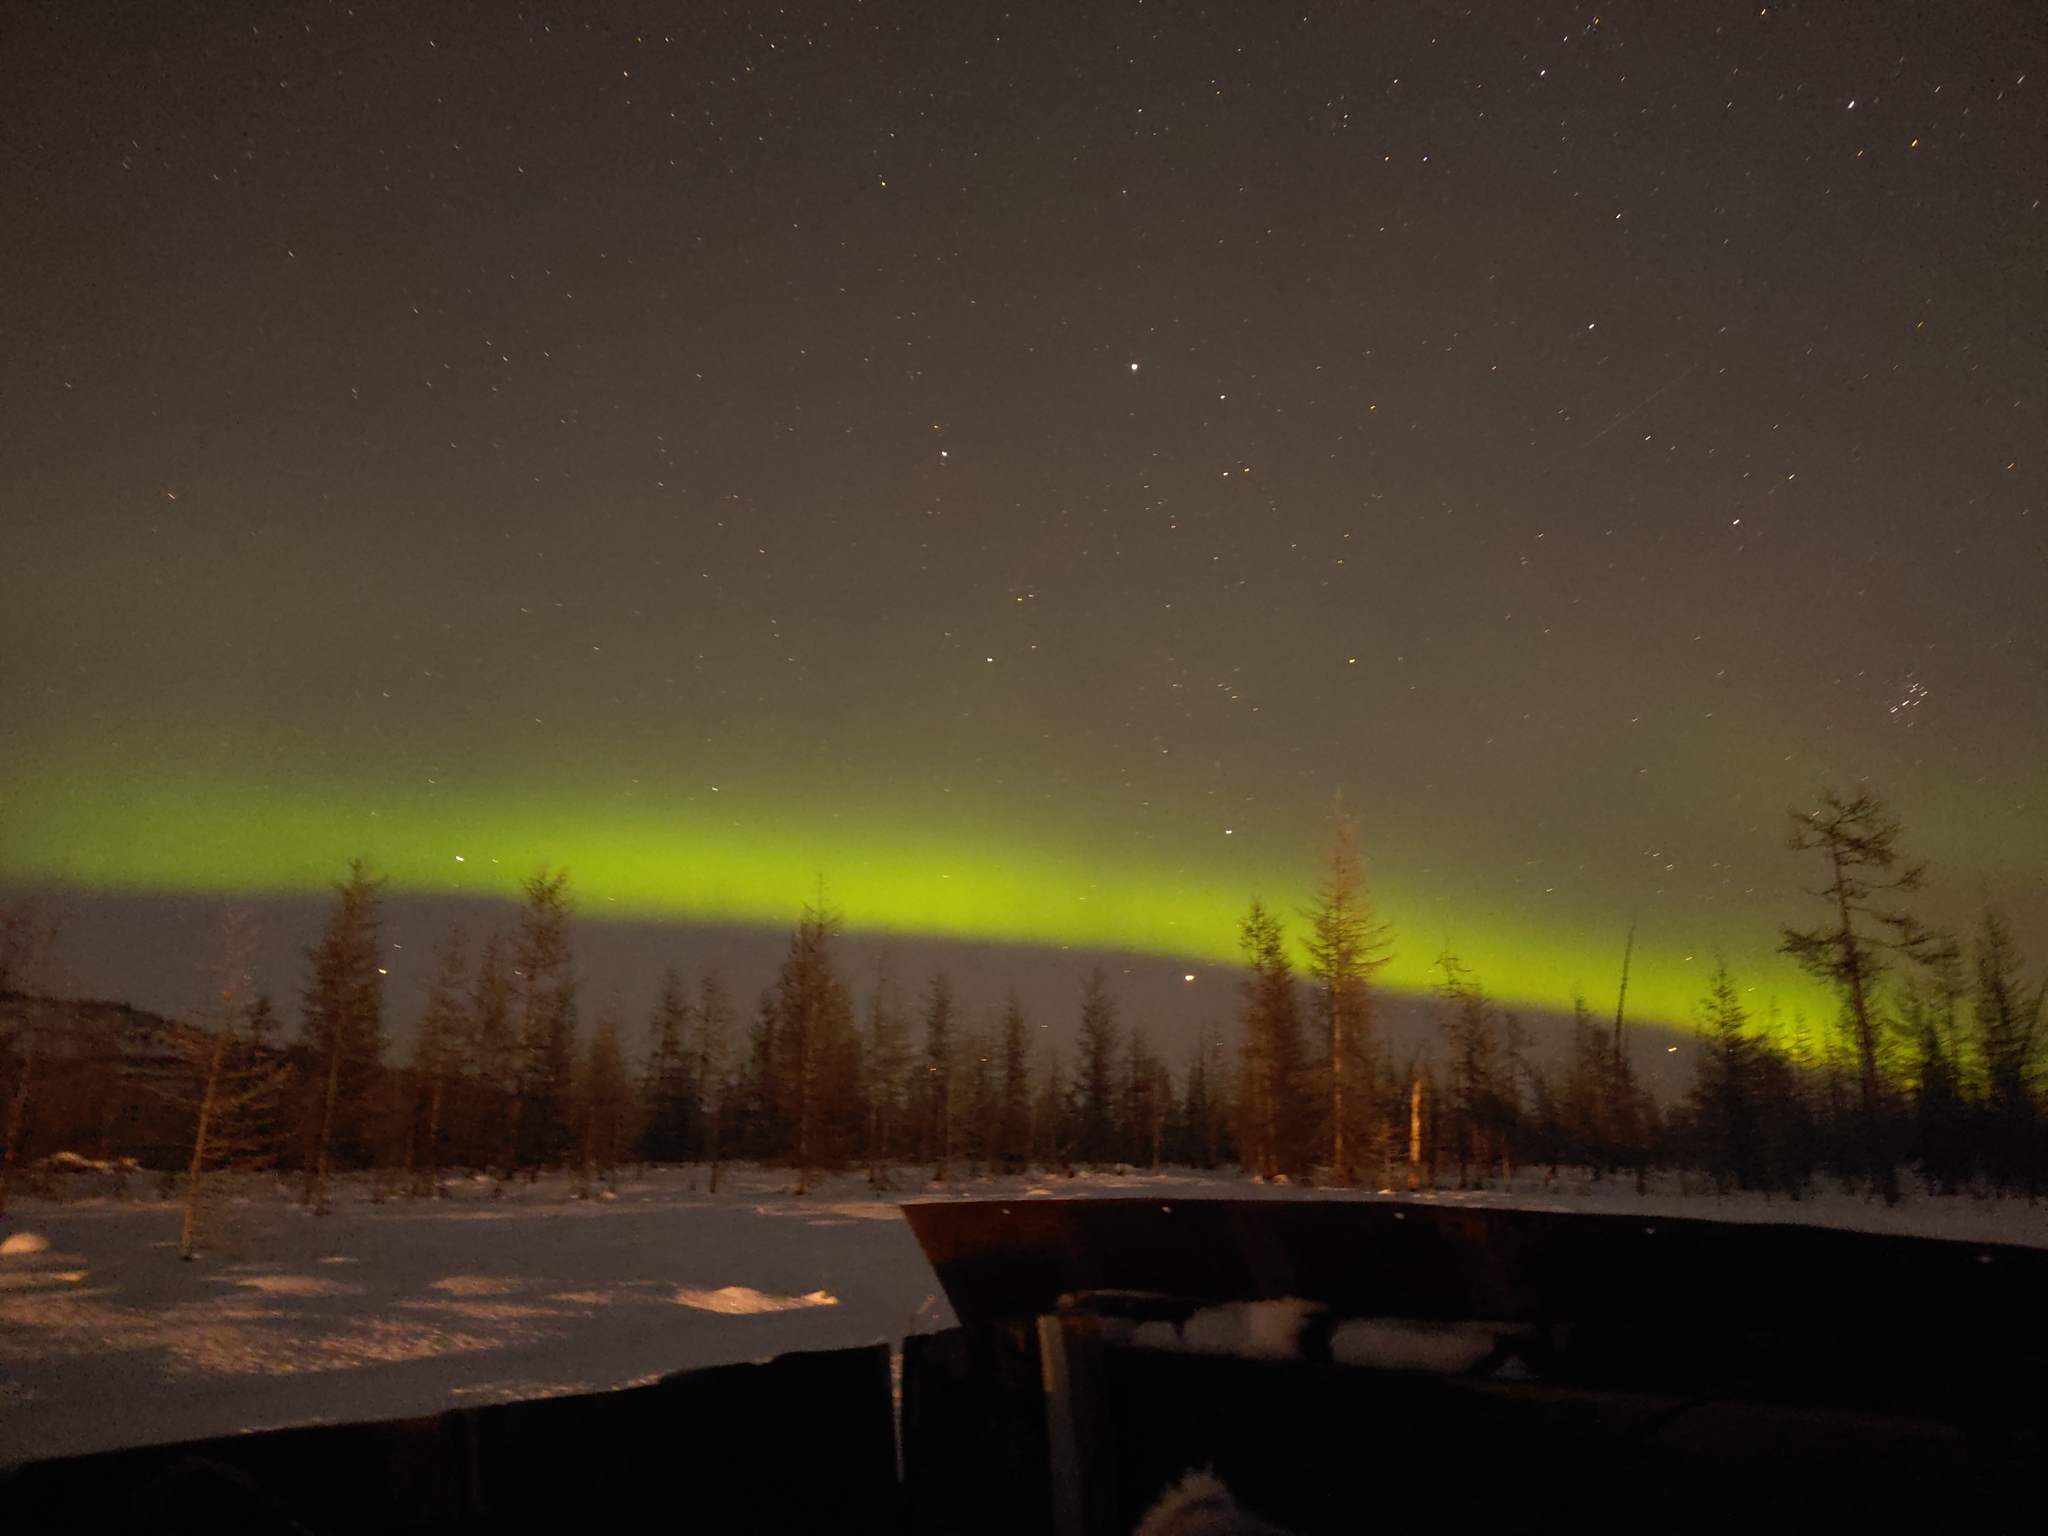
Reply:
x=296, y=1285
x=475, y=1285
x=745, y=1301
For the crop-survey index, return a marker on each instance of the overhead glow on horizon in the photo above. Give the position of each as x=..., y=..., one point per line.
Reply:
x=883, y=874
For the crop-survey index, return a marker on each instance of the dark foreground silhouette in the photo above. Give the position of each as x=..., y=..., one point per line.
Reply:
x=1329, y=1367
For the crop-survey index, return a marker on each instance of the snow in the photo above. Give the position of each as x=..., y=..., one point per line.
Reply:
x=1260, y=1330
x=410, y=1307
x=1403, y=1344
x=743, y=1300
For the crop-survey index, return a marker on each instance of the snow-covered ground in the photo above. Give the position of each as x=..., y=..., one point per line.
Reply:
x=409, y=1307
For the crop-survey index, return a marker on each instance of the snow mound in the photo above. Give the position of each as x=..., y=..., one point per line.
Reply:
x=1403, y=1344
x=1255, y=1330
x=866, y=1210
x=736, y=1300
x=296, y=1285
x=1201, y=1506
x=475, y=1285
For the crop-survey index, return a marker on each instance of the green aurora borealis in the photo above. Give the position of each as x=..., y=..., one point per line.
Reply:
x=759, y=867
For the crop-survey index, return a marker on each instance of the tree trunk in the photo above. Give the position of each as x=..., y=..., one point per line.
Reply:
x=316, y=1182
x=17, y=1110
x=1340, y=1169
x=188, y=1233
x=1415, y=1135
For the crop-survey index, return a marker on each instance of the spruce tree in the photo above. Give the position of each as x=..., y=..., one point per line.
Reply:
x=816, y=1051
x=758, y=1129
x=1930, y=1018
x=1200, y=1114
x=28, y=934
x=1147, y=1104
x=671, y=1092
x=1346, y=947
x=342, y=1034
x=436, y=1061
x=1724, y=1093
x=711, y=1047
x=1013, y=1119
x=885, y=1063
x=1052, y=1135
x=1271, y=1080
x=1475, y=1067
x=488, y=1062
x=1853, y=949
x=934, y=1094
x=233, y=1075
x=543, y=1025
x=2007, y=1014
x=976, y=1099
x=604, y=1117
x=1096, y=1072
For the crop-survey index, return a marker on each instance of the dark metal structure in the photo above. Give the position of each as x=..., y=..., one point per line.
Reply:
x=1653, y=1373
x=1650, y=1374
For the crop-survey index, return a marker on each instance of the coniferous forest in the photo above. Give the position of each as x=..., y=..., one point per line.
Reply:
x=1930, y=1075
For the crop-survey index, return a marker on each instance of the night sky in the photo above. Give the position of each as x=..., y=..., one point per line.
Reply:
x=1018, y=469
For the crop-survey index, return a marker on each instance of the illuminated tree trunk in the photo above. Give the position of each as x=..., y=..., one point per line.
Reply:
x=188, y=1231
x=17, y=1108
x=1415, y=1135
x=316, y=1175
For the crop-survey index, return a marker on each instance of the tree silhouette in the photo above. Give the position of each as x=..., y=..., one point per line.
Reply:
x=2008, y=1025
x=543, y=1028
x=1095, y=1071
x=934, y=1096
x=233, y=1076
x=436, y=1059
x=1851, y=951
x=605, y=1129
x=885, y=1063
x=343, y=1032
x=1481, y=1086
x=1012, y=1151
x=1346, y=947
x=711, y=1045
x=816, y=1052
x=28, y=933
x=1272, y=1102
x=671, y=1091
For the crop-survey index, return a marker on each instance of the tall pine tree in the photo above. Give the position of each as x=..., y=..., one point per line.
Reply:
x=885, y=1063
x=437, y=1052
x=1096, y=1072
x=342, y=1034
x=934, y=1094
x=817, y=1052
x=543, y=1031
x=670, y=1091
x=1347, y=945
x=1853, y=949
x=1013, y=1117
x=1271, y=1116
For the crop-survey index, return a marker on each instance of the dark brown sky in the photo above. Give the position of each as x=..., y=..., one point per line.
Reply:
x=1087, y=434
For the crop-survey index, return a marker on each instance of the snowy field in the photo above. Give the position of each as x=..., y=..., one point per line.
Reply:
x=409, y=1307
